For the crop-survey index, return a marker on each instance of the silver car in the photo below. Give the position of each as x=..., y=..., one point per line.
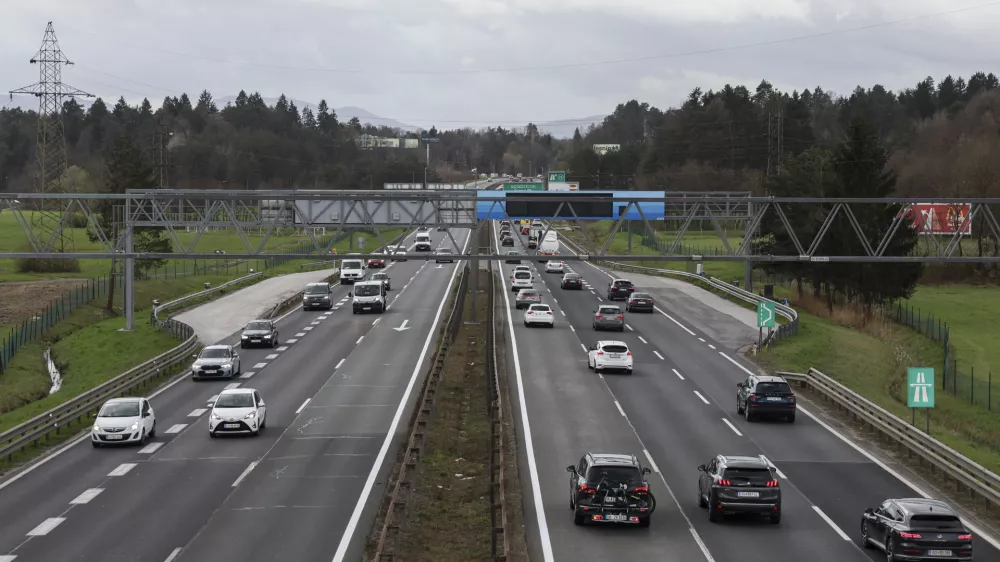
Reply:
x=526, y=298
x=216, y=361
x=609, y=318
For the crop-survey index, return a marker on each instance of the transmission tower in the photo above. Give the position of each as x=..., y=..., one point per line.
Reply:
x=50, y=154
x=775, y=144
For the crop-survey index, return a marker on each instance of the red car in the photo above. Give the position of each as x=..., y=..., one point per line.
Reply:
x=376, y=262
x=525, y=229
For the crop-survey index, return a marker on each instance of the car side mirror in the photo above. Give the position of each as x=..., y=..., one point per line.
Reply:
x=262, y=404
x=701, y=468
x=869, y=511
x=571, y=468
x=646, y=470
x=739, y=385
x=145, y=414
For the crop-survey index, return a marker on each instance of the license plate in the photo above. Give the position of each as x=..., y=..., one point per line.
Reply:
x=367, y=308
x=211, y=371
x=615, y=356
x=616, y=517
x=609, y=499
x=938, y=553
x=773, y=399
x=255, y=341
x=231, y=425
x=748, y=494
x=115, y=437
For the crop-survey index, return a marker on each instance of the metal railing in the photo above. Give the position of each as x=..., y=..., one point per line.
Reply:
x=967, y=475
x=499, y=540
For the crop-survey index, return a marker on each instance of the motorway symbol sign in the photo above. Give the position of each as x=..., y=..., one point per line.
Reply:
x=557, y=177
x=920, y=387
x=765, y=314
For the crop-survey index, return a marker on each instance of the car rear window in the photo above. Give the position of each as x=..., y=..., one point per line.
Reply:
x=609, y=310
x=615, y=475
x=640, y=296
x=572, y=276
x=773, y=388
x=615, y=349
x=743, y=474
x=527, y=293
x=622, y=283
x=522, y=275
x=936, y=521
x=540, y=307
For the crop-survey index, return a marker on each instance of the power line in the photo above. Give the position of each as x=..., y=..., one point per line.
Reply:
x=581, y=64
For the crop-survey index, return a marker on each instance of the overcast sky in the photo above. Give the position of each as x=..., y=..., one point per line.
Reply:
x=468, y=62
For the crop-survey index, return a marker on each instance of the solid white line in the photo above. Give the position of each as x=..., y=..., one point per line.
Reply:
x=679, y=375
x=830, y=522
x=571, y=328
x=701, y=545
x=619, y=406
x=176, y=552
x=248, y=374
x=712, y=346
x=366, y=491
x=303, y=406
x=86, y=496
x=244, y=474
x=733, y=361
x=629, y=328
x=776, y=469
x=232, y=385
x=282, y=348
x=260, y=365
x=291, y=340
x=300, y=335
x=376, y=321
x=271, y=356
x=197, y=412
x=652, y=464
x=643, y=340
x=671, y=318
x=176, y=428
x=700, y=396
x=657, y=353
x=702, y=340
x=339, y=363
x=732, y=427
x=308, y=328
x=46, y=526
x=151, y=448
x=359, y=340
x=122, y=469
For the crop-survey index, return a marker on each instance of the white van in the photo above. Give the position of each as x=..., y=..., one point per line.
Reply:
x=423, y=240
x=352, y=271
x=368, y=296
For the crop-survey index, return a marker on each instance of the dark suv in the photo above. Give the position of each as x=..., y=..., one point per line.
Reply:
x=620, y=289
x=916, y=529
x=610, y=488
x=735, y=484
x=764, y=395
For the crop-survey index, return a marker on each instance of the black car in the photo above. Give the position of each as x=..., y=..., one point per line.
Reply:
x=259, y=332
x=572, y=281
x=639, y=302
x=736, y=484
x=422, y=247
x=916, y=529
x=512, y=260
x=765, y=395
x=507, y=241
x=620, y=289
x=610, y=488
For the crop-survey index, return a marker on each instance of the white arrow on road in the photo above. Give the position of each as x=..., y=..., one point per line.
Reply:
x=402, y=326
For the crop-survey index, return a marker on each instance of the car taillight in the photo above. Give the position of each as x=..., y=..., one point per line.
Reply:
x=586, y=488
x=629, y=354
x=725, y=483
x=600, y=317
x=772, y=484
x=790, y=397
x=620, y=317
x=904, y=535
x=642, y=489
x=965, y=537
x=549, y=313
x=600, y=354
x=752, y=397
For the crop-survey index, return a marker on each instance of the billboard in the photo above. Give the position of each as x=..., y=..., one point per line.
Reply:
x=411, y=143
x=564, y=186
x=941, y=218
x=490, y=210
x=603, y=149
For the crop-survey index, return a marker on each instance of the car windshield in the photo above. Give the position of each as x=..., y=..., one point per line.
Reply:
x=615, y=349
x=214, y=353
x=540, y=307
x=522, y=275
x=773, y=388
x=351, y=264
x=754, y=475
x=615, y=475
x=258, y=326
x=640, y=296
x=609, y=310
x=119, y=410
x=236, y=400
x=317, y=289
x=367, y=290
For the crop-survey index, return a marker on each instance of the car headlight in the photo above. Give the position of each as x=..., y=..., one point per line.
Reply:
x=134, y=426
x=227, y=366
x=326, y=297
x=267, y=337
x=216, y=416
x=97, y=428
x=250, y=415
x=245, y=337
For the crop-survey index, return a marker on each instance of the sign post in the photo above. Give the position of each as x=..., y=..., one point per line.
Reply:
x=920, y=392
x=765, y=319
x=427, y=162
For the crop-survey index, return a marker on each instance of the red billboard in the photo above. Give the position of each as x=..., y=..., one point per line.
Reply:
x=941, y=218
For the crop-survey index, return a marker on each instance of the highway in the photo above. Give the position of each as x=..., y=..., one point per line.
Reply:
x=676, y=411
x=335, y=391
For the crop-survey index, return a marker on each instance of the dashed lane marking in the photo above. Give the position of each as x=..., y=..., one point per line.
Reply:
x=86, y=496
x=314, y=323
x=679, y=375
x=307, y=328
x=282, y=348
x=652, y=464
x=732, y=427
x=657, y=353
x=303, y=406
x=292, y=340
x=620, y=411
x=339, y=363
x=176, y=428
x=643, y=340
x=629, y=328
x=830, y=522
x=173, y=555
x=248, y=374
x=359, y=340
x=231, y=386
x=703, y=399
x=260, y=365
x=197, y=412
x=151, y=448
x=122, y=469
x=272, y=356
x=45, y=527
x=300, y=335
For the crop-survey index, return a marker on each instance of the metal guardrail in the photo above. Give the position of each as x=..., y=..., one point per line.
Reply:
x=976, y=479
x=499, y=540
x=399, y=497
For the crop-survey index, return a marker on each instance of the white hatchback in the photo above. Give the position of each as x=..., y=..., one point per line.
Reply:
x=237, y=410
x=124, y=420
x=614, y=355
x=555, y=267
x=520, y=280
x=539, y=314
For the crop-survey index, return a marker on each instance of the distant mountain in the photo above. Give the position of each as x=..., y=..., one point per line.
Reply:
x=343, y=113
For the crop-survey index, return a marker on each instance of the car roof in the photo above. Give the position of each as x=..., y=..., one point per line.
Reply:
x=603, y=343
x=614, y=459
x=217, y=346
x=621, y=280
x=914, y=506
x=543, y=305
x=123, y=399
x=738, y=461
x=258, y=320
x=769, y=378
x=366, y=283
x=614, y=306
x=236, y=391
x=314, y=284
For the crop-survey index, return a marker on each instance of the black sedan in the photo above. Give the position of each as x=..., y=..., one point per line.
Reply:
x=916, y=529
x=259, y=332
x=639, y=302
x=572, y=281
x=507, y=241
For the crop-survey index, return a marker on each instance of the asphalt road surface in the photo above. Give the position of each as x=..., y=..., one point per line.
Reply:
x=335, y=390
x=676, y=411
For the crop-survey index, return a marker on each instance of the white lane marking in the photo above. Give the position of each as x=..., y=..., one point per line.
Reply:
x=643, y=340
x=652, y=463
x=7, y=557
x=45, y=527
x=271, y=356
x=174, y=554
x=176, y=428
x=300, y=335
x=776, y=469
x=359, y=340
x=682, y=326
x=336, y=308
x=86, y=496
x=122, y=469
x=555, y=301
x=303, y=406
x=733, y=361
x=712, y=346
x=197, y=412
x=315, y=323
x=701, y=545
x=592, y=291
x=600, y=299
x=830, y=522
x=232, y=385
x=151, y=448
x=290, y=340
x=248, y=374
x=629, y=328
x=732, y=427
x=260, y=365
x=308, y=328
x=366, y=491
x=282, y=348
x=376, y=321
x=584, y=348
x=657, y=353
x=571, y=328
x=619, y=406
x=679, y=375
x=702, y=340
x=339, y=363
x=244, y=474
x=703, y=399
x=561, y=312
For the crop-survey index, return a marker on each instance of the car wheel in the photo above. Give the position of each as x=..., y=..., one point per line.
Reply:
x=864, y=535
x=701, y=498
x=776, y=517
x=152, y=432
x=578, y=518
x=263, y=423
x=714, y=514
x=628, y=371
x=791, y=418
x=143, y=438
x=243, y=346
x=890, y=556
x=211, y=434
x=747, y=415
x=739, y=410
x=644, y=522
x=622, y=329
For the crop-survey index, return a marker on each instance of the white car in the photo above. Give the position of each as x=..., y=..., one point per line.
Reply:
x=613, y=355
x=123, y=420
x=555, y=267
x=539, y=314
x=521, y=268
x=237, y=410
x=520, y=280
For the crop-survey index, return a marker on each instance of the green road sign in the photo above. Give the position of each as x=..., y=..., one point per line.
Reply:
x=524, y=186
x=765, y=314
x=557, y=176
x=920, y=387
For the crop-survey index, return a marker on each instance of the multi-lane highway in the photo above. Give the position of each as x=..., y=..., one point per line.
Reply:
x=676, y=411
x=306, y=489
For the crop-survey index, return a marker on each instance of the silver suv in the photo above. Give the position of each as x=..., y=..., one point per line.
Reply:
x=609, y=317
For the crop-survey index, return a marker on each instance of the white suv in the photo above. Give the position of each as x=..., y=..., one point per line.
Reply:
x=520, y=280
x=539, y=314
x=613, y=355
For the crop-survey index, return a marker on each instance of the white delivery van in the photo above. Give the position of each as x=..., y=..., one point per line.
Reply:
x=368, y=296
x=423, y=242
x=352, y=271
